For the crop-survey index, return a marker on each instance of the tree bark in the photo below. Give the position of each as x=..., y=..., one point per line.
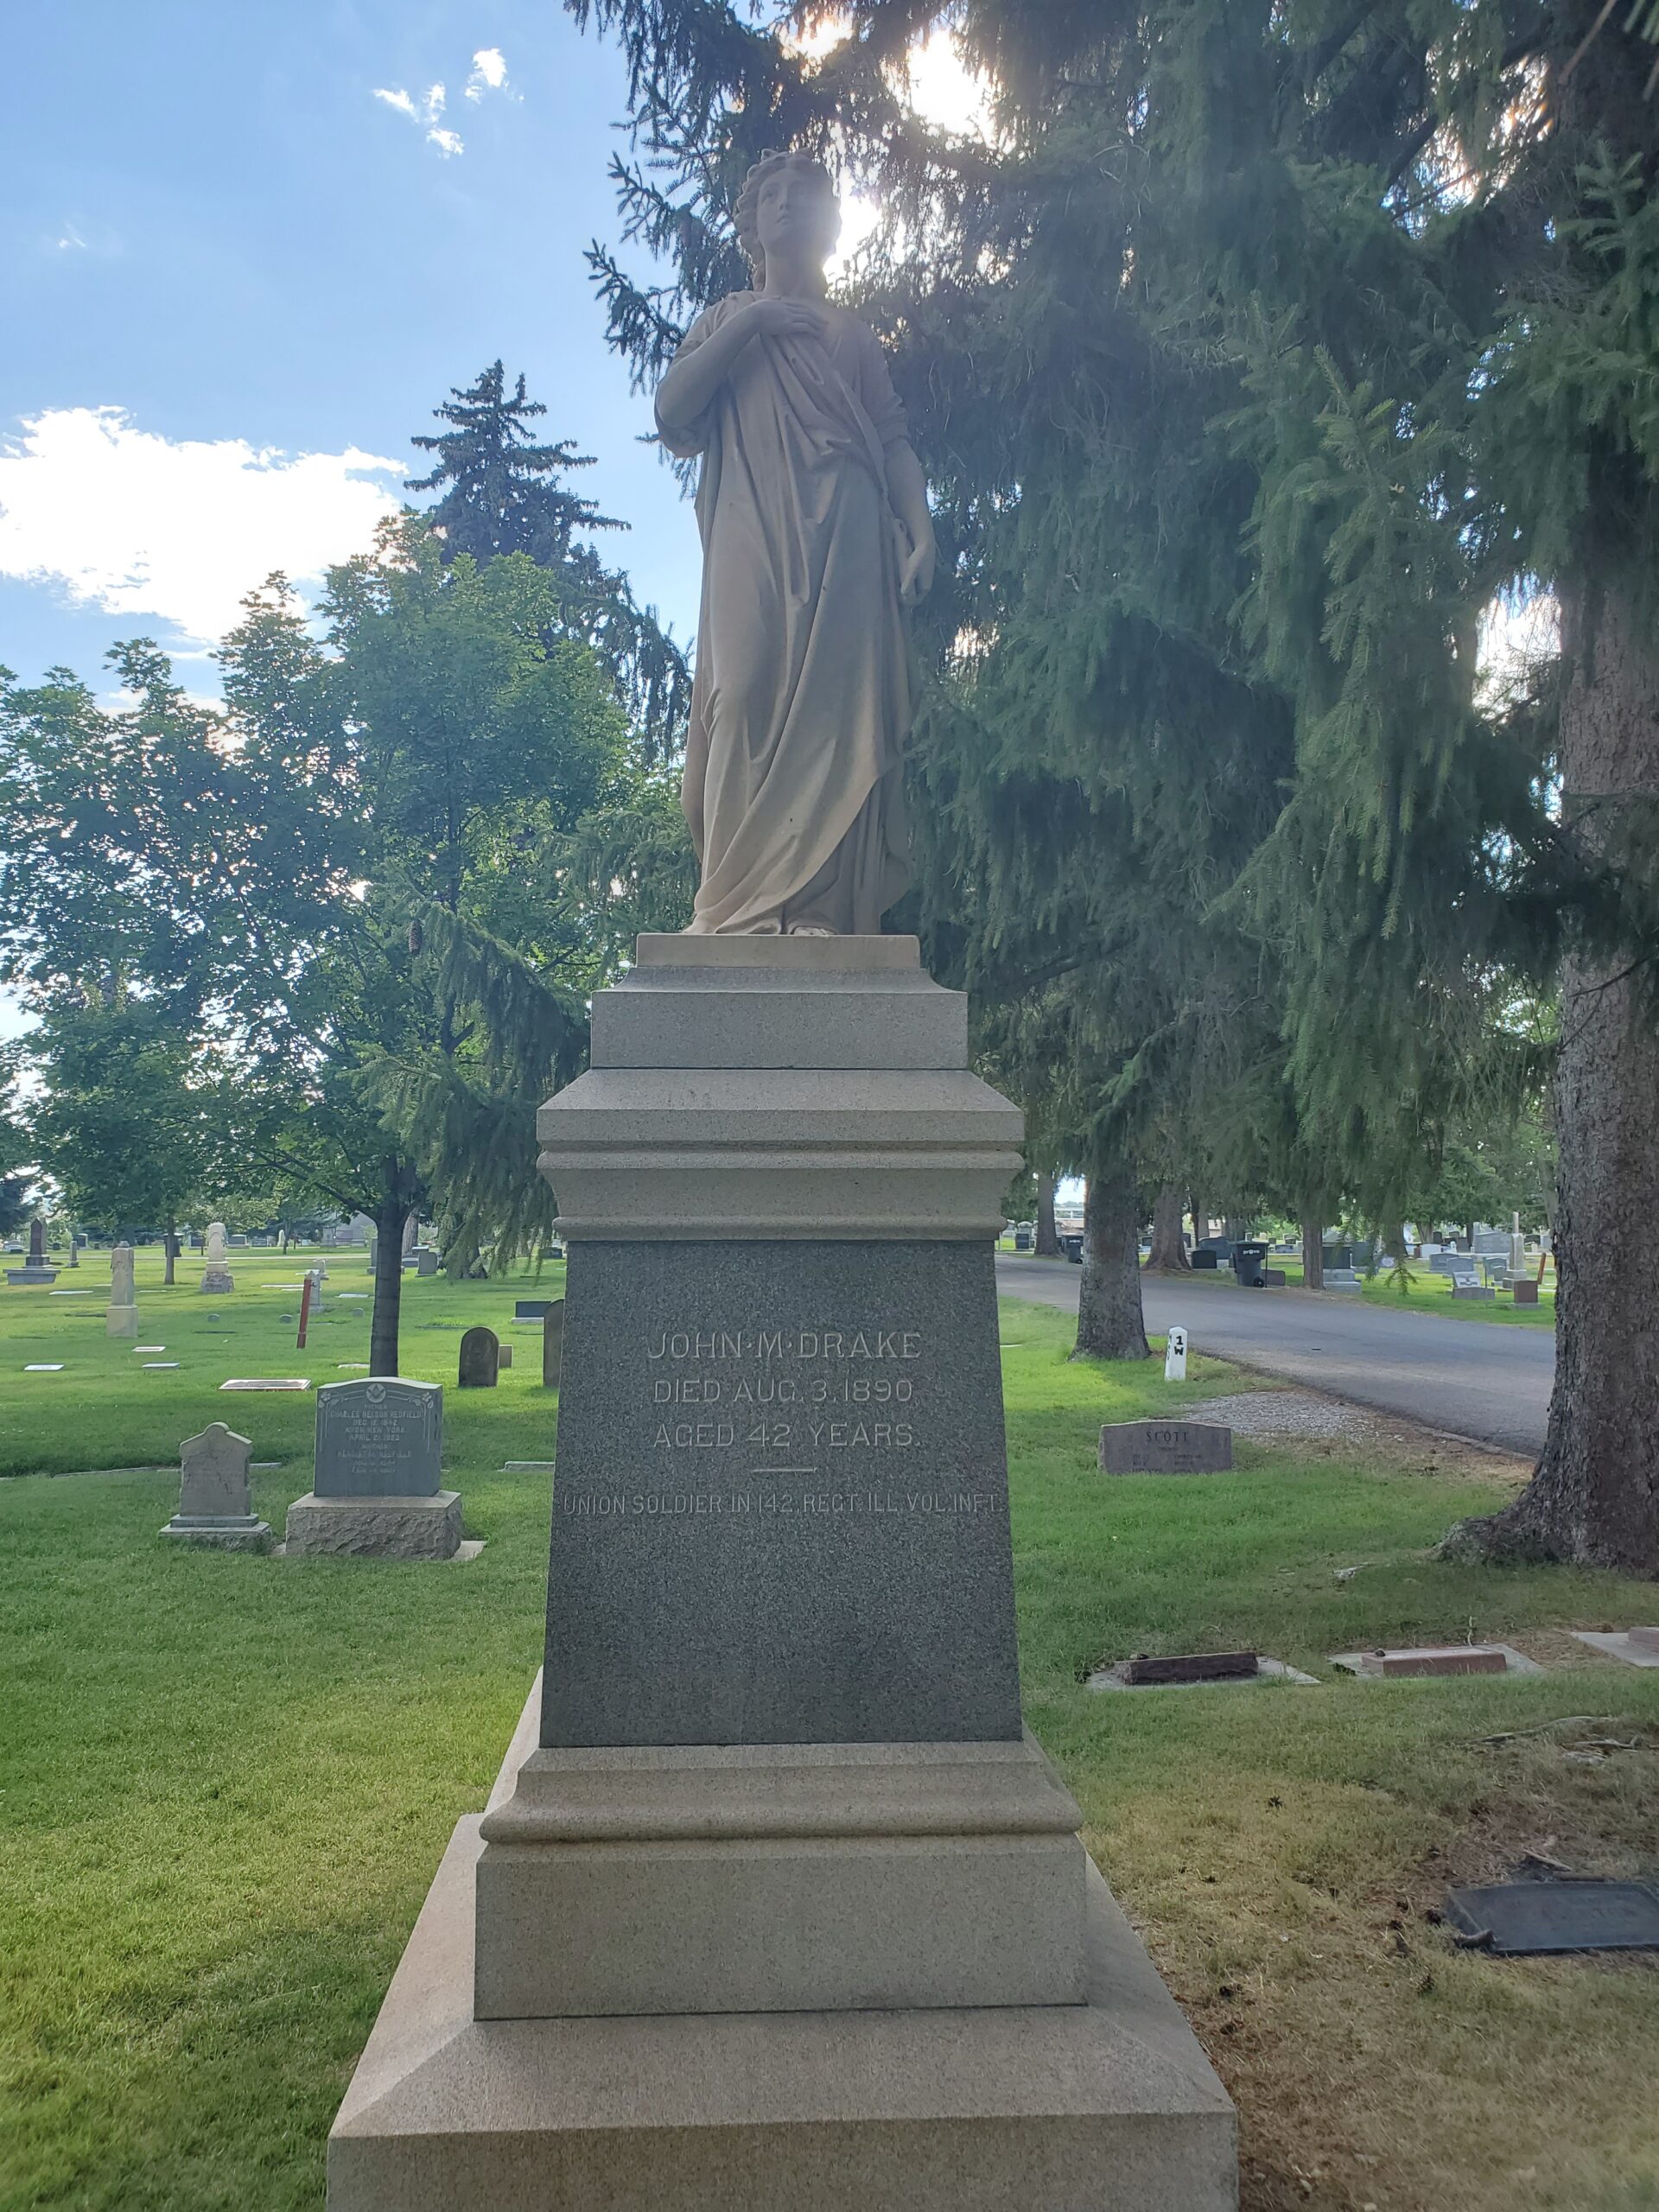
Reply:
x=399, y=1202
x=1109, y=1321
x=1168, y=1253
x=1595, y=1497
x=1313, y=1251
x=1048, y=1237
x=1200, y=1222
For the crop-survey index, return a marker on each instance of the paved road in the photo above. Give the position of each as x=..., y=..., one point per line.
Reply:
x=1473, y=1378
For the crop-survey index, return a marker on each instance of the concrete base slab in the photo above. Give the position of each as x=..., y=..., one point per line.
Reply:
x=1267, y=1670
x=1518, y=1664
x=1616, y=1643
x=251, y=1534
x=375, y=1528
x=1109, y=2106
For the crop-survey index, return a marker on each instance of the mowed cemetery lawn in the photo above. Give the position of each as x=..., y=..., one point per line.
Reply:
x=227, y=1780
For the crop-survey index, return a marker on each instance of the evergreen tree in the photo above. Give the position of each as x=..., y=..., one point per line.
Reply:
x=1262, y=350
x=502, y=492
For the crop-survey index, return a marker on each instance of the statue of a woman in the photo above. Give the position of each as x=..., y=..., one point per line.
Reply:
x=816, y=537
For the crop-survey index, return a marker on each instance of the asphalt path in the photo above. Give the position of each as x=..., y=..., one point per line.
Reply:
x=1473, y=1378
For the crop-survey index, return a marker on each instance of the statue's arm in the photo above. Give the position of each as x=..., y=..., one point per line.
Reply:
x=704, y=362
x=907, y=492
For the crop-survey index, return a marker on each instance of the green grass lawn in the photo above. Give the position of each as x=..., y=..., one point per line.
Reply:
x=227, y=1780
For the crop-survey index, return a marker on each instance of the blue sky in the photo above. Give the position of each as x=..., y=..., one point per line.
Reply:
x=234, y=236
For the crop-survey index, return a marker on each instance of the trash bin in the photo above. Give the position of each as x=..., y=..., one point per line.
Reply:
x=1250, y=1263
x=1072, y=1248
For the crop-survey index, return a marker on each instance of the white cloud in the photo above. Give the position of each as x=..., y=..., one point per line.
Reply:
x=138, y=524
x=489, y=74
x=427, y=114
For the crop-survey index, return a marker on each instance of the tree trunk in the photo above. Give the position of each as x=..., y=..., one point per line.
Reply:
x=1595, y=1497
x=1313, y=1251
x=1200, y=1222
x=1109, y=1321
x=1168, y=1253
x=170, y=1247
x=1048, y=1238
x=389, y=1219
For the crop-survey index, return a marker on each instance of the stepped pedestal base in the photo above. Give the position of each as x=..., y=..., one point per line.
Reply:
x=1108, y=2106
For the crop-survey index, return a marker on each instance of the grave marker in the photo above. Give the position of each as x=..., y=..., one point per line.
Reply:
x=1175, y=1356
x=216, y=1277
x=481, y=1353
x=553, y=1344
x=375, y=1493
x=122, y=1319
x=1166, y=1447
x=1436, y=1659
x=215, y=1503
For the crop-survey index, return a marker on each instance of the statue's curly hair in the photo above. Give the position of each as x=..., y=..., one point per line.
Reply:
x=746, y=213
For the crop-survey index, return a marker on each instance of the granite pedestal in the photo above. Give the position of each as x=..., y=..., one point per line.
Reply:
x=775, y=1902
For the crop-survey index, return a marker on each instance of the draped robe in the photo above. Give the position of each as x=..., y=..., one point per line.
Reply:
x=800, y=703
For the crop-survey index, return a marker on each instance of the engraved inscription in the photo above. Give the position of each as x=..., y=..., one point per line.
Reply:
x=765, y=1426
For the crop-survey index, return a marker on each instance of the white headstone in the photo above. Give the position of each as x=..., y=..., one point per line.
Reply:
x=1175, y=1356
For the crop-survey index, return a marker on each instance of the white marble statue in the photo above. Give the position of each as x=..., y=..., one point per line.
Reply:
x=816, y=537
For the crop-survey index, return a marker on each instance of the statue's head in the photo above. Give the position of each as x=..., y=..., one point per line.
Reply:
x=788, y=200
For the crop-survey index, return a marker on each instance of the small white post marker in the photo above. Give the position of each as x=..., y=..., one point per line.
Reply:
x=1175, y=1356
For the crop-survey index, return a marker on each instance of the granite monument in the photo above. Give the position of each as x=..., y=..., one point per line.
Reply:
x=217, y=1280
x=775, y=1901
x=375, y=1491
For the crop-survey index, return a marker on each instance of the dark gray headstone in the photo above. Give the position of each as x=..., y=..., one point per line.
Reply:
x=1513, y=1918
x=530, y=1309
x=1166, y=1447
x=780, y=1514
x=480, y=1356
x=378, y=1439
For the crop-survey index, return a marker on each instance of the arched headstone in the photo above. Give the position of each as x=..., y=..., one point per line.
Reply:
x=480, y=1357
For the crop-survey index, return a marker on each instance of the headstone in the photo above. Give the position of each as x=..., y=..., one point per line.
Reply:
x=1436, y=1659
x=375, y=1491
x=553, y=1344
x=1196, y=1667
x=1175, y=1356
x=215, y=1504
x=1519, y=1919
x=37, y=1270
x=1526, y=1290
x=1022, y=1239
x=504, y=1356
x=216, y=1277
x=382, y=1438
x=1474, y=1293
x=266, y=1382
x=122, y=1319
x=481, y=1356
x=426, y=1261
x=781, y=1689
x=1166, y=1447
x=530, y=1309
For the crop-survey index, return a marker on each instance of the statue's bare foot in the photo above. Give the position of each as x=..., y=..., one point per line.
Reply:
x=811, y=929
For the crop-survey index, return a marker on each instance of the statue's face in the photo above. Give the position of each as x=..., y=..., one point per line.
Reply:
x=796, y=213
